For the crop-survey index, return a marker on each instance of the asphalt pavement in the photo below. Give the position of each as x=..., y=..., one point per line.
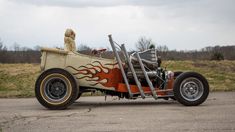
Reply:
x=217, y=114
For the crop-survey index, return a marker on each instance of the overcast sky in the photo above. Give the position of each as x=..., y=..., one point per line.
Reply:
x=179, y=24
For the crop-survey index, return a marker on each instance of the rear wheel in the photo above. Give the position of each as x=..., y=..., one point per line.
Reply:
x=56, y=89
x=78, y=96
x=191, y=88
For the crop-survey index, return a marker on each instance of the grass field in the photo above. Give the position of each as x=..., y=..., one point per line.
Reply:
x=17, y=80
x=220, y=74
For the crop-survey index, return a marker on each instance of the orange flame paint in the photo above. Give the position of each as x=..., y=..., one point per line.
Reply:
x=100, y=74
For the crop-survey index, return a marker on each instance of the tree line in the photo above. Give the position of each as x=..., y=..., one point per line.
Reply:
x=207, y=53
x=20, y=54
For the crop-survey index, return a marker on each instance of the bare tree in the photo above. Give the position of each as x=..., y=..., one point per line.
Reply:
x=2, y=47
x=3, y=52
x=16, y=47
x=83, y=47
x=1, y=44
x=25, y=49
x=143, y=43
x=37, y=48
x=162, y=50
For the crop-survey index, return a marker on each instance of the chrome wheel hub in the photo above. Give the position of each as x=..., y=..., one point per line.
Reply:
x=55, y=88
x=191, y=89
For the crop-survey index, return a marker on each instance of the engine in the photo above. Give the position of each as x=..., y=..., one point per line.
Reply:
x=152, y=64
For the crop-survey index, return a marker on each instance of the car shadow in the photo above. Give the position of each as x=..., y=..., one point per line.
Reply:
x=125, y=103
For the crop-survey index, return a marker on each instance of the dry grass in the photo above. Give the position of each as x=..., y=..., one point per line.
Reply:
x=17, y=80
x=220, y=74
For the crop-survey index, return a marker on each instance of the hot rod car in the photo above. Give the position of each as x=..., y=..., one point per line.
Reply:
x=66, y=74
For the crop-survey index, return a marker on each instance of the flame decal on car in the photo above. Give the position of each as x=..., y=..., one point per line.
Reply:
x=96, y=73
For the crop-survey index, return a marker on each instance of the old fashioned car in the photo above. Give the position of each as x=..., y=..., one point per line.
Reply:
x=67, y=74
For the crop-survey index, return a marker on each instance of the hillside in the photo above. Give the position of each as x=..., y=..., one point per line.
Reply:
x=17, y=80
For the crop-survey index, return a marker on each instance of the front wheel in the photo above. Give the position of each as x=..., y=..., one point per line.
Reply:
x=191, y=88
x=56, y=89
